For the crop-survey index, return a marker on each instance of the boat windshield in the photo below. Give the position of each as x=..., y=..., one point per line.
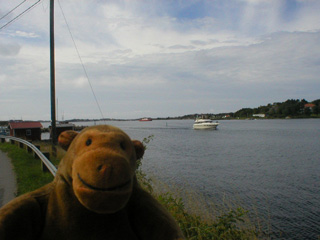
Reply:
x=203, y=121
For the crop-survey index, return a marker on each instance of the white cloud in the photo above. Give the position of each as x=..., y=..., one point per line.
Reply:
x=25, y=34
x=151, y=63
x=259, y=1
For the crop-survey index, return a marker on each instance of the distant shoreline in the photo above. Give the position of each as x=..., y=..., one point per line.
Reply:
x=4, y=123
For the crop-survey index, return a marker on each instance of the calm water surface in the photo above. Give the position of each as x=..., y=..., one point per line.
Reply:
x=271, y=167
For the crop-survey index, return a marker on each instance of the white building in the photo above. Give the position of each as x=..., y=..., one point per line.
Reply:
x=259, y=115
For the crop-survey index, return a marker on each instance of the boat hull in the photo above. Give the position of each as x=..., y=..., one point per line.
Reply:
x=205, y=126
x=145, y=120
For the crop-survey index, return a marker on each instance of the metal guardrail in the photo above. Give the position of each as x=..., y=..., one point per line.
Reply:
x=42, y=157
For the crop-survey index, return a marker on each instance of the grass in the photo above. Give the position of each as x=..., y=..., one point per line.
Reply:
x=27, y=169
x=56, y=152
x=228, y=225
x=225, y=226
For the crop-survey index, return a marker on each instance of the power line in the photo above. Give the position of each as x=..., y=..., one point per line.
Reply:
x=84, y=69
x=12, y=10
x=14, y=19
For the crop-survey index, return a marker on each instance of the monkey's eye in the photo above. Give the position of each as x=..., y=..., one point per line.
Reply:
x=123, y=146
x=88, y=142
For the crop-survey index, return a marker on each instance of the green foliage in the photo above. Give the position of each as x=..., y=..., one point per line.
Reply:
x=225, y=226
x=147, y=140
x=316, y=108
x=4, y=123
x=144, y=181
x=244, y=113
x=290, y=108
x=27, y=168
x=56, y=152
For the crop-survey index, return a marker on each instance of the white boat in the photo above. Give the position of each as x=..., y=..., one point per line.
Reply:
x=204, y=124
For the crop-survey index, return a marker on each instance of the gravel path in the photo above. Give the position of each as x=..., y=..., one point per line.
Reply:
x=7, y=180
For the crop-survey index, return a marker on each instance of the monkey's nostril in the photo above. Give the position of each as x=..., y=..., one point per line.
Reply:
x=100, y=167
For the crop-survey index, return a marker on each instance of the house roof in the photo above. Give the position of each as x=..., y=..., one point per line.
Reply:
x=23, y=125
x=309, y=105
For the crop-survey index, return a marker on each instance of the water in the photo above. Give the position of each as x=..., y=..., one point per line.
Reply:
x=271, y=167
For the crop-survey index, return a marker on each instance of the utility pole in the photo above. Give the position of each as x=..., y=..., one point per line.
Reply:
x=52, y=76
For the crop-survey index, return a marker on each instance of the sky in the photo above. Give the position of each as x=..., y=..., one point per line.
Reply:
x=157, y=58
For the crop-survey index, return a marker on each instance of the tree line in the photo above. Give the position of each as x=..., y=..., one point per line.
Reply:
x=290, y=108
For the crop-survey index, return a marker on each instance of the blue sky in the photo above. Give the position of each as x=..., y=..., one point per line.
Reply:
x=158, y=58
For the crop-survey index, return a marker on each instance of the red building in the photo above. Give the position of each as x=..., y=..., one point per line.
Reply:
x=26, y=130
x=309, y=105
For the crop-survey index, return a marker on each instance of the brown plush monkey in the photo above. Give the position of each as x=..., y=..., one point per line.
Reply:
x=94, y=195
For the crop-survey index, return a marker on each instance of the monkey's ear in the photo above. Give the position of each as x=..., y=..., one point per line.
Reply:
x=65, y=138
x=138, y=146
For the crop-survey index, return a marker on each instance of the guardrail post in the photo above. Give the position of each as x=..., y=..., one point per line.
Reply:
x=43, y=166
x=21, y=145
x=34, y=153
x=3, y=140
x=29, y=149
x=26, y=147
x=12, y=141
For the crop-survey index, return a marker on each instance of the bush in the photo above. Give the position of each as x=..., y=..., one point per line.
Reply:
x=194, y=227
